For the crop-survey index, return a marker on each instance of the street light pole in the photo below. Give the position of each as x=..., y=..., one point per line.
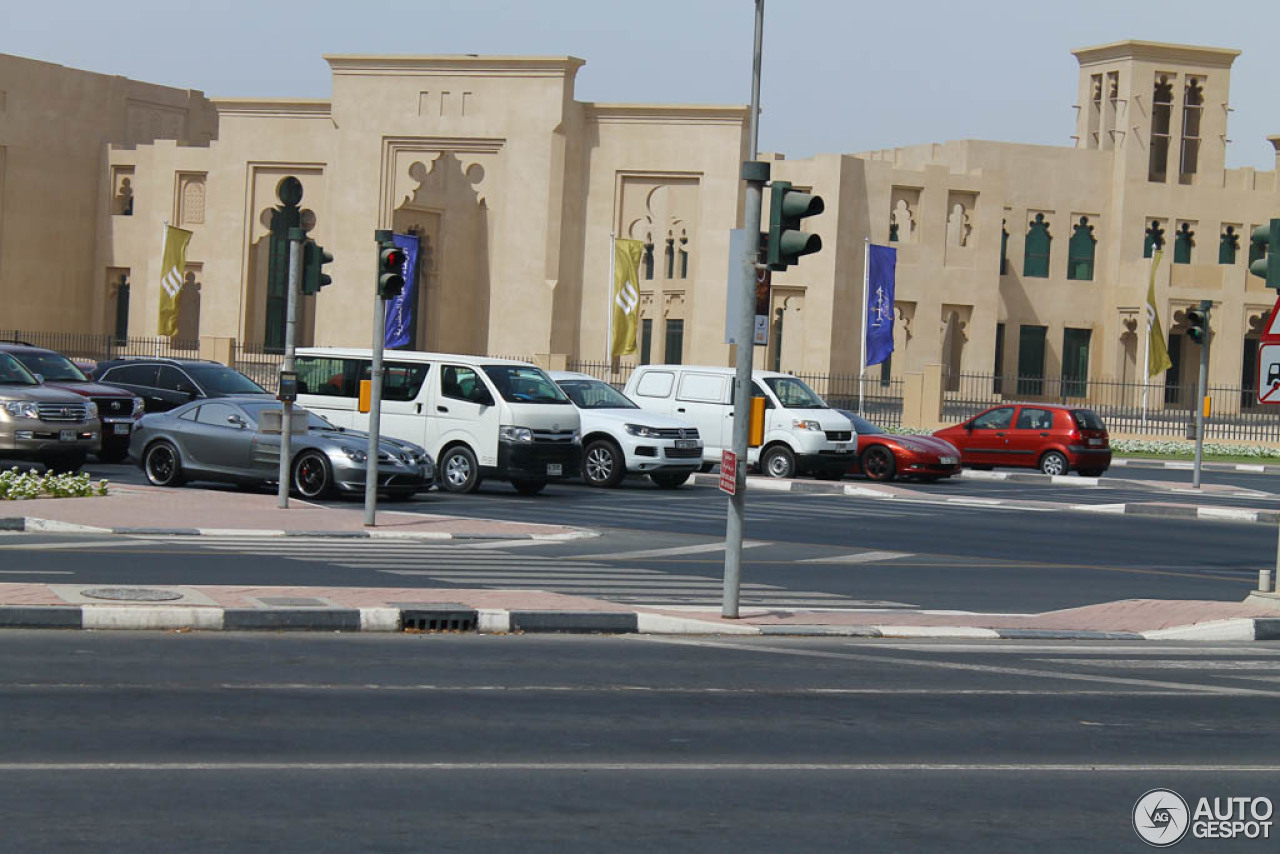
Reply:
x=756, y=175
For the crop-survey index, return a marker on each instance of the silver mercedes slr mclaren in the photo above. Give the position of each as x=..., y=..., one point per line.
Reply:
x=221, y=440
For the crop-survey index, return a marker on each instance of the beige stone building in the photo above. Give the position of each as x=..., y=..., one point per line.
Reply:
x=1014, y=260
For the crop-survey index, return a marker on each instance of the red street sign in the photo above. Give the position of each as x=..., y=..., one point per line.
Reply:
x=729, y=472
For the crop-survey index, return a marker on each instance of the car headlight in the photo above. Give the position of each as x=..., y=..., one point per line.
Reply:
x=805, y=425
x=642, y=431
x=21, y=409
x=515, y=434
x=92, y=411
x=355, y=454
x=138, y=407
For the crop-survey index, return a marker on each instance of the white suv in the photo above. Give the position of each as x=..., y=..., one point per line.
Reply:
x=620, y=438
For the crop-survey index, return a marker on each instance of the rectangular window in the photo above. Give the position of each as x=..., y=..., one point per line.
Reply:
x=1173, y=374
x=1249, y=374
x=1161, y=113
x=1031, y=359
x=997, y=382
x=1075, y=362
x=673, y=352
x=646, y=340
x=886, y=371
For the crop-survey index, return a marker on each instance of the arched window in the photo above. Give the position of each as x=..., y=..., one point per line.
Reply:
x=684, y=254
x=1035, y=260
x=1154, y=239
x=670, y=257
x=1192, y=108
x=1080, y=252
x=648, y=260
x=1004, y=248
x=1227, y=246
x=1183, y=240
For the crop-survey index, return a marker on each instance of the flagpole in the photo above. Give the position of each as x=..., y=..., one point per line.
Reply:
x=164, y=239
x=1146, y=366
x=866, y=284
x=608, y=302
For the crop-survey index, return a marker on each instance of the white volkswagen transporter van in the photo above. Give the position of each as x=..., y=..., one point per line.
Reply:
x=479, y=417
x=801, y=433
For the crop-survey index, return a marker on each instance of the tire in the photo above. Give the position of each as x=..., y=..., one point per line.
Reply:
x=529, y=487
x=603, y=464
x=162, y=465
x=312, y=475
x=459, y=471
x=778, y=461
x=669, y=480
x=1054, y=463
x=878, y=463
x=1091, y=472
x=113, y=454
x=68, y=463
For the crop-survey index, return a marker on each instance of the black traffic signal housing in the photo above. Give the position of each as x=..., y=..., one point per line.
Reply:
x=787, y=207
x=1198, y=323
x=391, y=260
x=1264, y=253
x=314, y=257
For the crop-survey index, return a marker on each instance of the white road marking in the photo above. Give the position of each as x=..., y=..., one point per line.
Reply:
x=674, y=550
x=36, y=572
x=83, y=544
x=663, y=767
x=859, y=557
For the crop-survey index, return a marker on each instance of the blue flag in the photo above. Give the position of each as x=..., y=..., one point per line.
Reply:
x=400, y=309
x=881, y=266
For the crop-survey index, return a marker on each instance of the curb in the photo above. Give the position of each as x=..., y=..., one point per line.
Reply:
x=31, y=524
x=503, y=621
x=1187, y=465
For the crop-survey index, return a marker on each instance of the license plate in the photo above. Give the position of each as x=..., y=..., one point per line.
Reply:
x=948, y=461
x=120, y=429
x=66, y=435
x=554, y=469
x=686, y=443
x=1095, y=442
x=841, y=446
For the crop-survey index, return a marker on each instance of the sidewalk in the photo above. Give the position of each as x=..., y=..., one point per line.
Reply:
x=149, y=510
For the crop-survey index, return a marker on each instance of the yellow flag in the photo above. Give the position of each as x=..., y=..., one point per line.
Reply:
x=173, y=271
x=625, y=295
x=1157, y=353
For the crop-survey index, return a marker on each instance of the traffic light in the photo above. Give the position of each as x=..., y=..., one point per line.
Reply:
x=786, y=241
x=314, y=257
x=1265, y=253
x=1198, y=323
x=391, y=260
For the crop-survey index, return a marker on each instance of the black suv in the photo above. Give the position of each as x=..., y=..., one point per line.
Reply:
x=118, y=409
x=165, y=383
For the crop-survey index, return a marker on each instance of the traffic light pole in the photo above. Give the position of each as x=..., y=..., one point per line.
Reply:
x=756, y=175
x=1202, y=393
x=382, y=236
x=296, y=236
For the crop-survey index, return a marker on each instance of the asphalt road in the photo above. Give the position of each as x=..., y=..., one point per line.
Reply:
x=199, y=742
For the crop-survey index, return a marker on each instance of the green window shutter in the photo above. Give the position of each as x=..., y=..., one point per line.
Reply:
x=1031, y=359
x=1154, y=239
x=1183, y=240
x=1035, y=261
x=1080, y=252
x=1075, y=362
x=1228, y=245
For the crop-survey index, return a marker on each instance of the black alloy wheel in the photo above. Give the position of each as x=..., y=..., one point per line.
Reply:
x=878, y=463
x=162, y=465
x=312, y=475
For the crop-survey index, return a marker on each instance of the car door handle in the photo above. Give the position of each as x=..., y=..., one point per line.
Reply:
x=999, y=434
x=442, y=409
x=417, y=407
x=680, y=409
x=1044, y=434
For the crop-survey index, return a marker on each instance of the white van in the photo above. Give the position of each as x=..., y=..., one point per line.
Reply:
x=801, y=433
x=478, y=417
x=620, y=438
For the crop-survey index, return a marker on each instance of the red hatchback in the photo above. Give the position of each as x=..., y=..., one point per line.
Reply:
x=1052, y=438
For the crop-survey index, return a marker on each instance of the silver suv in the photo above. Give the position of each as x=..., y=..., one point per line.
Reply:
x=55, y=427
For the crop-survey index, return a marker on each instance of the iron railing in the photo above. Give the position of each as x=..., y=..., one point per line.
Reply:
x=90, y=347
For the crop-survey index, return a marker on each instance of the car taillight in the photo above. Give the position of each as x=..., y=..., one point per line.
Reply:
x=1074, y=435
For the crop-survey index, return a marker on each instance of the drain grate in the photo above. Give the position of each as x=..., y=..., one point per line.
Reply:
x=431, y=620
x=131, y=594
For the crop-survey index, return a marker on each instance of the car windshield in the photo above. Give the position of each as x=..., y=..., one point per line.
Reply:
x=525, y=384
x=223, y=380
x=13, y=373
x=862, y=426
x=314, y=421
x=794, y=394
x=594, y=394
x=1087, y=419
x=54, y=367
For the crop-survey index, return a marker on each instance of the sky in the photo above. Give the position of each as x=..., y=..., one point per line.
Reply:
x=838, y=75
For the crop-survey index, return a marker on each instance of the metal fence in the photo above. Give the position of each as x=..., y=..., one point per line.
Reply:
x=87, y=347
x=1169, y=409
x=258, y=364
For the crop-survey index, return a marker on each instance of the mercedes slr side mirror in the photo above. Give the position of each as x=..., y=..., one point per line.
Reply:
x=236, y=421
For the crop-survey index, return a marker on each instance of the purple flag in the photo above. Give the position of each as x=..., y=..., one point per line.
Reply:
x=881, y=266
x=400, y=309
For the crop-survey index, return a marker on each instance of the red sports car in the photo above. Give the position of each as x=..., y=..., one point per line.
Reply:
x=884, y=456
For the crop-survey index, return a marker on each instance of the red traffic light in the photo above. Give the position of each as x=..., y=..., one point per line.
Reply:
x=393, y=259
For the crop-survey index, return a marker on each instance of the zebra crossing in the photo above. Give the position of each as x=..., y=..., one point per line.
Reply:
x=486, y=565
